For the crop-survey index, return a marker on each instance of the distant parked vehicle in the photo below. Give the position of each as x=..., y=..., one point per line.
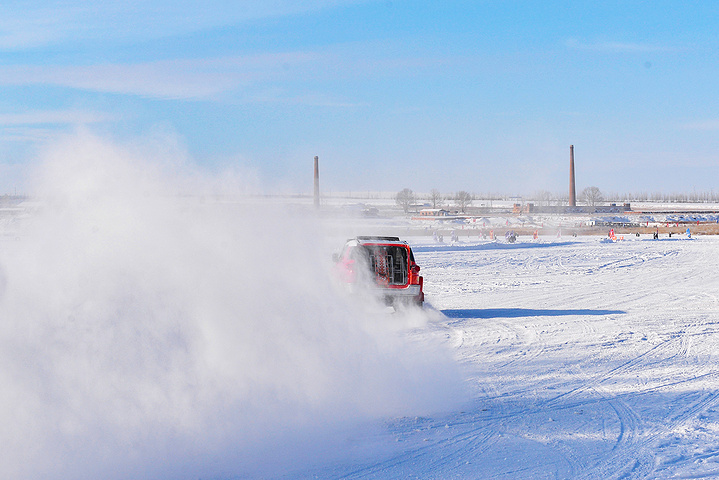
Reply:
x=386, y=265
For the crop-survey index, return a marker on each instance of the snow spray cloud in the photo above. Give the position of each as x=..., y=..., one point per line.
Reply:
x=146, y=334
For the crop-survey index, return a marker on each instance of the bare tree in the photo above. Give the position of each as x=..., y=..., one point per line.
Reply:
x=591, y=196
x=463, y=200
x=436, y=198
x=544, y=197
x=405, y=199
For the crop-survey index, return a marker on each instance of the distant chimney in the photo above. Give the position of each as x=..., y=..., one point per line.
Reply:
x=317, y=181
x=572, y=189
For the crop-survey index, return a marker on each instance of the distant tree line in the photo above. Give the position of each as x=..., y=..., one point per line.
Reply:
x=406, y=199
x=591, y=196
x=661, y=197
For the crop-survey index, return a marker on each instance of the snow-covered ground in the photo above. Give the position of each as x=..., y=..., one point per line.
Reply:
x=132, y=351
x=183, y=348
x=584, y=359
x=147, y=334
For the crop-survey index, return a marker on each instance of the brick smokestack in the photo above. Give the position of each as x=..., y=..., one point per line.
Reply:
x=572, y=188
x=317, y=181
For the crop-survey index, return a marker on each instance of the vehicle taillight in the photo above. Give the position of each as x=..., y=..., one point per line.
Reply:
x=414, y=278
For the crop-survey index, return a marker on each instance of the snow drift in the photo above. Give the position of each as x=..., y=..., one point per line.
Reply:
x=147, y=334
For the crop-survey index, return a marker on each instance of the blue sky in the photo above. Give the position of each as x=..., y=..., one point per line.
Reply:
x=484, y=96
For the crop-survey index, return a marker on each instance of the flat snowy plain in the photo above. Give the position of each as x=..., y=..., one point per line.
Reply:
x=163, y=342
x=147, y=334
x=585, y=359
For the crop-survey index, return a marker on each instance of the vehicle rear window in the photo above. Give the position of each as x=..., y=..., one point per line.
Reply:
x=388, y=262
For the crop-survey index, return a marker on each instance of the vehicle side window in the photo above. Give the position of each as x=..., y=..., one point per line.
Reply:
x=358, y=254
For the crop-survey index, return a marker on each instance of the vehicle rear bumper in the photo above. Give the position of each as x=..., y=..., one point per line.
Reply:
x=410, y=295
x=409, y=291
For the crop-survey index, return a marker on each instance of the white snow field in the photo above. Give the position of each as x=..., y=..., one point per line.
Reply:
x=585, y=359
x=148, y=334
x=558, y=358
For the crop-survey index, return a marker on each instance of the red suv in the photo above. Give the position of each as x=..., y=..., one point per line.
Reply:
x=384, y=263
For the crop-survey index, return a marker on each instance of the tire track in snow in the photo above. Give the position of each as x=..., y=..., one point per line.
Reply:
x=441, y=457
x=634, y=452
x=678, y=420
x=532, y=342
x=596, y=380
x=625, y=459
x=636, y=260
x=625, y=388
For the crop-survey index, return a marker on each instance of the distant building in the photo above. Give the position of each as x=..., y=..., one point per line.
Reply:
x=565, y=209
x=519, y=209
x=433, y=212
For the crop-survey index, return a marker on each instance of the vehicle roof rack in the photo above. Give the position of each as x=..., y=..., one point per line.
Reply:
x=386, y=239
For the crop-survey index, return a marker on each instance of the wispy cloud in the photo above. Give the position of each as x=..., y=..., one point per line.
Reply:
x=161, y=79
x=36, y=23
x=245, y=77
x=314, y=99
x=28, y=134
x=40, y=126
x=169, y=79
x=618, y=47
x=703, y=125
x=53, y=117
